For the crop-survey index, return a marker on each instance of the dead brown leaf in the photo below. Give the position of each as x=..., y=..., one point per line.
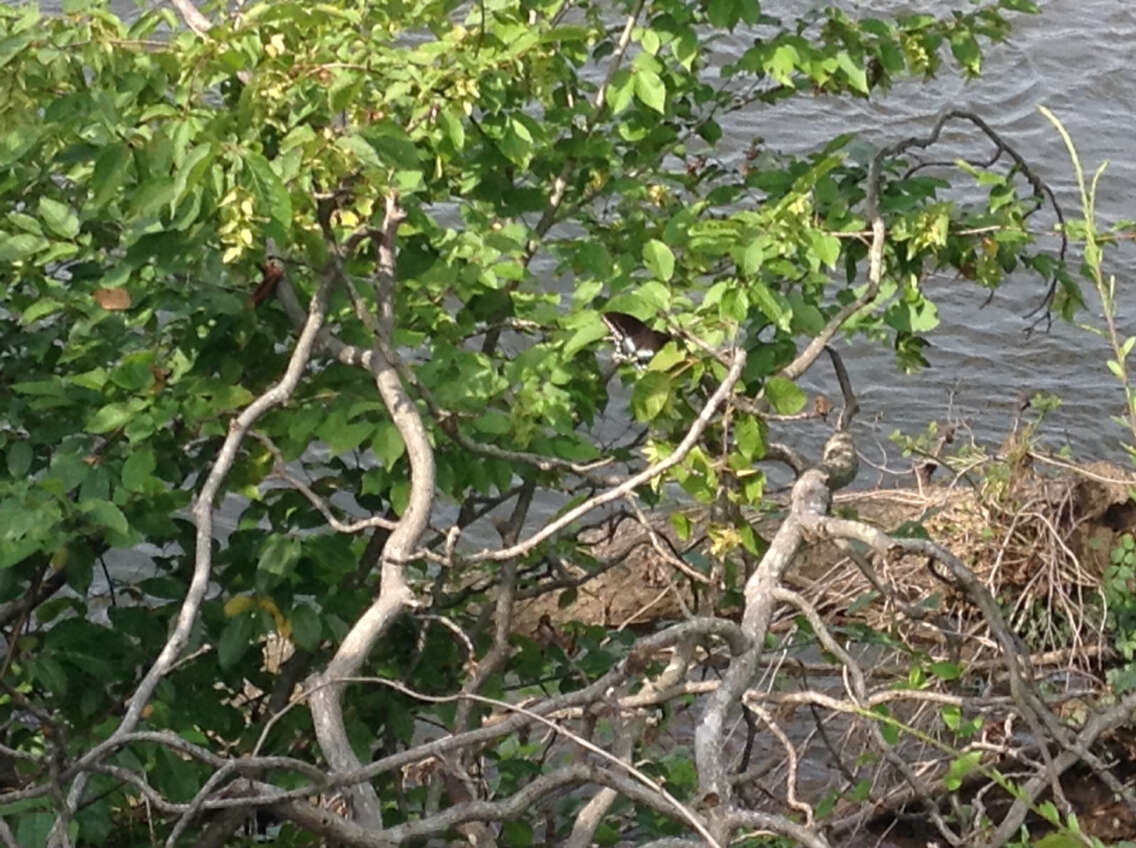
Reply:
x=113, y=299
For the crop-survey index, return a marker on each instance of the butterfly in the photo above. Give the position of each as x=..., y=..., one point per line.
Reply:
x=634, y=340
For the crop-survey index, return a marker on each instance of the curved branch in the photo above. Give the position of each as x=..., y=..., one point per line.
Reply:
x=192, y=17
x=394, y=595
x=655, y=789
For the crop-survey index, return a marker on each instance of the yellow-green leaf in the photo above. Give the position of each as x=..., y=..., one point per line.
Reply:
x=650, y=395
x=659, y=259
x=784, y=396
x=59, y=218
x=650, y=88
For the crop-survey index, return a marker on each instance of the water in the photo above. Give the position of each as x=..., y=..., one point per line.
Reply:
x=1077, y=60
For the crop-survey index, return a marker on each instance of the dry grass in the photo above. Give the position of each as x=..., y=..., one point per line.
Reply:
x=1038, y=536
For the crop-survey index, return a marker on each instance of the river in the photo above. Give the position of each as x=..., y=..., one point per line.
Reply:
x=1077, y=59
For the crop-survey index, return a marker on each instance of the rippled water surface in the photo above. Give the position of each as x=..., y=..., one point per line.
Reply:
x=1077, y=59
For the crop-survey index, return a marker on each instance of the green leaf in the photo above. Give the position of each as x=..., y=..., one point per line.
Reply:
x=517, y=834
x=620, y=90
x=784, y=396
x=361, y=149
x=111, y=168
x=220, y=396
x=781, y=64
x=341, y=436
x=190, y=171
x=408, y=181
x=650, y=88
x=666, y=358
x=1048, y=811
x=39, y=309
x=946, y=670
x=25, y=222
x=773, y=306
x=685, y=48
x=517, y=142
x=653, y=297
x=43, y=388
x=272, y=197
x=593, y=328
x=138, y=469
x=952, y=716
x=752, y=258
x=682, y=525
x=962, y=766
x=566, y=33
x=306, y=628
x=826, y=247
x=105, y=514
x=151, y=196
x=235, y=639
x=59, y=217
x=887, y=728
x=393, y=145
x=51, y=674
x=734, y=305
x=493, y=422
x=387, y=444
x=650, y=395
x=400, y=496
x=659, y=259
x=279, y=555
x=750, y=438
x=966, y=51
x=19, y=459
x=854, y=73
x=723, y=13
x=1060, y=840
x=890, y=56
x=111, y=417
x=454, y=127
x=11, y=46
x=16, y=247
x=135, y=372
x=650, y=43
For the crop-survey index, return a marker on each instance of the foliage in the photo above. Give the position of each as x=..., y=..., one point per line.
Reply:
x=1119, y=584
x=1117, y=581
x=552, y=165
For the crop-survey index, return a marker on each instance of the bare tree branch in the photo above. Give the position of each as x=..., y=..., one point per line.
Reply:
x=395, y=594
x=192, y=17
